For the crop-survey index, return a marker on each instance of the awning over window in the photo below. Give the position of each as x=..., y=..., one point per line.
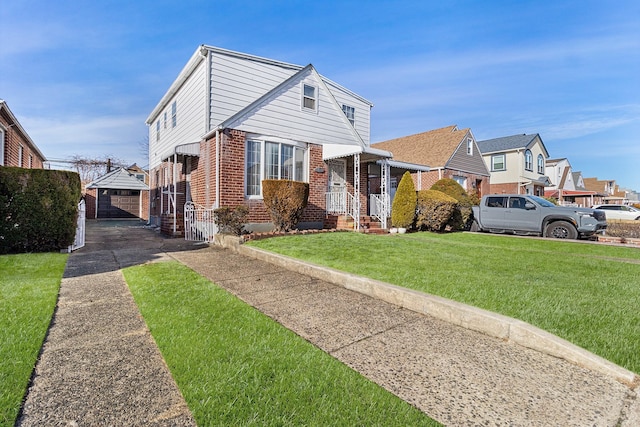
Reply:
x=191, y=149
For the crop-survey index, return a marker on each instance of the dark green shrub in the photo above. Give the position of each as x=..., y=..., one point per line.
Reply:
x=231, y=220
x=434, y=210
x=38, y=209
x=403, y=208
x=285, y=202
x=462, y=217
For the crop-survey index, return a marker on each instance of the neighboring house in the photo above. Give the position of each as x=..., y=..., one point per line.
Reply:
x=609, y=191
x=567, y=186
x=118, y=194
x=449, y=152
x=16, y=147
x=231, y=120
x=517, y=164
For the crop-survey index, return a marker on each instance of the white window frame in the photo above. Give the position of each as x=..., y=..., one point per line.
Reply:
x=304, y=97
x=164, y=120
x=540, y=164
x=528, y=160
x=20, y=155
x=261, y=165
x=350, y=112
x=493, y=162
x=469, y=147
x=462, y=180
x=30, y=161
x=158, y=130
x=174, y=114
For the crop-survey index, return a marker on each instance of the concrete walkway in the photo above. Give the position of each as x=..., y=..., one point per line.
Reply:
x=99, y=365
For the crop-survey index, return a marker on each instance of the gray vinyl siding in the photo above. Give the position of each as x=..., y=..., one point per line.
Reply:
x=236, y=82
x=191, y=118
x=465, y=163
x=362, y=111
x=326, y=126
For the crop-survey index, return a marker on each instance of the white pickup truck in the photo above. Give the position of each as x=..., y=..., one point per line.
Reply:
x=531, y=215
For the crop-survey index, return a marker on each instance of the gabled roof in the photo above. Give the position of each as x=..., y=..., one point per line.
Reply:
x=433, y=148
x=4, y=107
x=510, y=143
x=118, y=179
x=577, y=180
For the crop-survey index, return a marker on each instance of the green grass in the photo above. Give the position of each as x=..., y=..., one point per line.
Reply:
x=585, y=293
x=29, y=285
x=235, y=366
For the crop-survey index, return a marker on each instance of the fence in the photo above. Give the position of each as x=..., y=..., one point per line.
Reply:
x=80, y=227
x=199, y=223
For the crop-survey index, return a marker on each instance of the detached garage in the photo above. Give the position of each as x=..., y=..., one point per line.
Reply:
x=117, y=195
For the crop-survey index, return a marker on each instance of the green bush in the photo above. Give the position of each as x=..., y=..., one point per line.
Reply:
x=38, y=209
x=434, y=210
x=231, y=220
x=462, y=216
x=403, y=208
x=285, y=202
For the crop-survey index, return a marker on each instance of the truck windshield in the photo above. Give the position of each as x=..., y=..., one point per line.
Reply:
x=542, y=202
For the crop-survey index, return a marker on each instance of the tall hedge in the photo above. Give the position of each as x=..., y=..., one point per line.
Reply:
x=38, y=209
x=285, y=202
x=434, y=210
x=403, y=208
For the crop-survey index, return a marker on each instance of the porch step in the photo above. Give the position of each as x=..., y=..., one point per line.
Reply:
x=345, y=222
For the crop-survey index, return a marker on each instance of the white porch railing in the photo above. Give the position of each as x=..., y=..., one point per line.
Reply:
x=80, y=228
x=342, y=203
x=379, y=208
x=199, y=223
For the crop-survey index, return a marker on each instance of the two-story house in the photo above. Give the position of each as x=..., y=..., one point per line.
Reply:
x=231, y=120
x=449, y=152
x=16, y=147
x=567, y=186
x=516, y=163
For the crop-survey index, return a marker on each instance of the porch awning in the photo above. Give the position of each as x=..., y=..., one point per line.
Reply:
x=543, y=180
x=368, y=154
x=190, y=149
x=407, y=166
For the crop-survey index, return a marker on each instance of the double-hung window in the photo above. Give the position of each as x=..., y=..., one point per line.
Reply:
x=540, y=164
x=158, y=130
x=273, y=160
x=174, y=114
x=350, y=112
x=309, y=97
x=470, y=147
x=528, y=160
x=498, y=162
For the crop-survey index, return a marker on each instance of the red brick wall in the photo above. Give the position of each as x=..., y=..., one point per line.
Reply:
x=90, y=203
x=508, y=188
x=12, y=141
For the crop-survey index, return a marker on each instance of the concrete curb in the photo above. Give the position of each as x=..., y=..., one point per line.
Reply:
x=463, y=315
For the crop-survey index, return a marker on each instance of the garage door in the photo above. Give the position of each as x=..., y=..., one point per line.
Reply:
x=118, y=203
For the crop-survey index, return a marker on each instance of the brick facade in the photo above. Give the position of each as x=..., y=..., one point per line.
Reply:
x=14, y=140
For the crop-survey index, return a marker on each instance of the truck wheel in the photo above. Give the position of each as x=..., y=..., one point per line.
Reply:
x=474, y=226
x=560, y=230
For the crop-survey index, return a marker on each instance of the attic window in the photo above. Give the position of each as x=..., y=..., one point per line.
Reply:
x=470, y=147
x=350, y=112
x=309, y=97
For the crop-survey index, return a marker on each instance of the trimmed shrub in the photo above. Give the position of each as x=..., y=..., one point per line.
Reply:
x=462, y=216
x=285, y=202
x=38, y=209
x=403, y=208
x=231, y=220
x=434, y=210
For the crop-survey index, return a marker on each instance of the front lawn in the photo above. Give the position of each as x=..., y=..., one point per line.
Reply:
x=29, y=285
x=236, y=366
x=588, y=294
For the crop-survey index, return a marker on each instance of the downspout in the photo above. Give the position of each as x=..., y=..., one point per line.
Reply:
x=217, y=205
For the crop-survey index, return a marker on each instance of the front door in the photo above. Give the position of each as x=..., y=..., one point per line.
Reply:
x=337, y=186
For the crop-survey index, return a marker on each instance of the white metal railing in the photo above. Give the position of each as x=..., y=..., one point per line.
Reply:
x=378, y=207
x=353, y=209
x=80, y=228
x=199, y=223
x=337, y=202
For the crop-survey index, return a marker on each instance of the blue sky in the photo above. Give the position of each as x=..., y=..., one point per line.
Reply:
x=82, y=76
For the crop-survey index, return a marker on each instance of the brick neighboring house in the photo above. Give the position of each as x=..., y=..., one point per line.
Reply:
x=119, y=194
x=231, y=120
x=608, y=191
x=516, y=163
x=449, y=152
x=567, y=186
x=16, y=147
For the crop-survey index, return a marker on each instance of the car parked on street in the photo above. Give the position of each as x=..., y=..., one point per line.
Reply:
x=619, y=212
